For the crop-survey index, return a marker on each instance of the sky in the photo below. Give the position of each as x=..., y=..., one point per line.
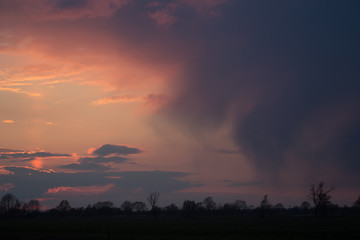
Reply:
x=113, y=99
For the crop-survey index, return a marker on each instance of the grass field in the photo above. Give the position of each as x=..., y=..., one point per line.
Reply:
x=180, y=228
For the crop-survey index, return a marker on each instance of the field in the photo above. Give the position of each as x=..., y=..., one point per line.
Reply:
x=180, y=228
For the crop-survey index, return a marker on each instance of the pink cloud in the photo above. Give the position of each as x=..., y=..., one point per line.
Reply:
x=6, y=186
x=116, y=99
x=51, y=10
x=81, y=190
x=163, y=17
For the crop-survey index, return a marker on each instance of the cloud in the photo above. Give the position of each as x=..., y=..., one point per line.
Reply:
x=6, y=186
x=116, y=99
x=41, y=10
x=94, y=163
x=166, y=13
x=82, y=190
x=86, y=166
x=8, y=121
x=108, y=149
x=31, y=183
x=105, y=156
x=162, y=17
x=7, y=150
x=30, y=155
x=270, y=75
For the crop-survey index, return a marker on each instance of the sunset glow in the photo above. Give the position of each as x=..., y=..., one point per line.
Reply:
x=223, y=98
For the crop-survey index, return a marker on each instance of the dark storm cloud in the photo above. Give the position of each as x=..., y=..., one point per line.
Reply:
x=109, y=149
x=286, y=73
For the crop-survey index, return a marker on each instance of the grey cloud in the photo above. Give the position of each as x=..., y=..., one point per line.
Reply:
x=114, y=159
x=6, y=150
x=30, y=183
x=94, y=163
x=109, y=149
x=30, y=156
x=84, y=165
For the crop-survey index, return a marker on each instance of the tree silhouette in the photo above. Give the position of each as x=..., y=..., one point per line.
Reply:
x=139, y=206
x=240, y=205
x=32, y=206
x=264, y=205
x=305, y=205
x=172, y=208
x=9, y=203
x=105, y=207
x=209, y=203
x=127, y=207
x=279, y=206
x=64, y=206
x=357, y=203
x=153, y=198
x=189, y=208
x=320, y=197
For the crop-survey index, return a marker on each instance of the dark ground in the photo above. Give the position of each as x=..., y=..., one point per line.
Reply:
x=180, y=228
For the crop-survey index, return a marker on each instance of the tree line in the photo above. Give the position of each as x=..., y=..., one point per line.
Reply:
x=319, y=204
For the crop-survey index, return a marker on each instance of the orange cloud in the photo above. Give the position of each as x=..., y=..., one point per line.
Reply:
x=81, y=190
x=8, y=121
x=37, y=163
x=18, y=90
x=116, y=99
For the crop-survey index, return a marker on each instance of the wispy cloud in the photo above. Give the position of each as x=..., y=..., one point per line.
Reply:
x=116, y=99
x=6, y=186
x=19, y=90
x=81, y=190
x=8, y=121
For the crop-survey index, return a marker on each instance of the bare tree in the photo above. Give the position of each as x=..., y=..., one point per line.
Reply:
x=9, y=203
x=279, y=206
x=153, y=198
x=32, y=206
x=209, y=203
x=320, y=197
x=264, y=205
x=64, y=206
x=189, y=208
x=240, y=205
x=139, y=206
x=305, y=205
x=357, y=203
x=127, y=207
